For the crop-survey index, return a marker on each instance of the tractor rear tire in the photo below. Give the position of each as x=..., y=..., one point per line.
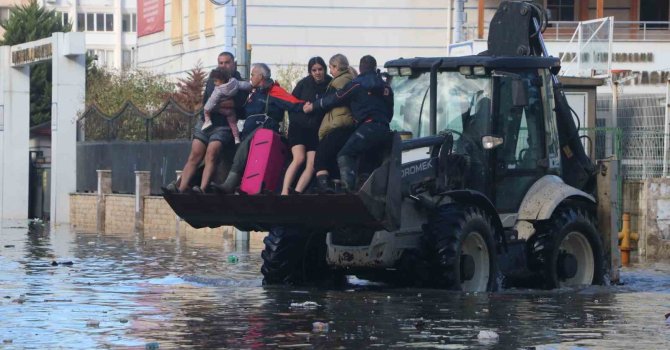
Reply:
x=295, y=256
x=567, y=249
x=460, y=241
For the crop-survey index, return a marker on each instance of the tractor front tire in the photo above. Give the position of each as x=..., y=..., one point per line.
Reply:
x=459, y=239
x=567, y=250
x=295, y=256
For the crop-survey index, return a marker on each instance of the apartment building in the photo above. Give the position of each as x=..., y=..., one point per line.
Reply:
x=110, y=26
x=281, y=32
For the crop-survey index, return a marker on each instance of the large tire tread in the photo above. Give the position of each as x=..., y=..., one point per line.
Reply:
x=446, y=230
x=544, y=245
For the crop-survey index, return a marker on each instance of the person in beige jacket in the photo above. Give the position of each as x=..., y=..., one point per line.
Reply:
x=337, y=125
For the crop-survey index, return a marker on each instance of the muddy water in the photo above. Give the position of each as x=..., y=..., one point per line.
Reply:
x=122, y=291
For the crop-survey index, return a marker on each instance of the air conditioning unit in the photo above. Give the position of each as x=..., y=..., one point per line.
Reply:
x=51, y=1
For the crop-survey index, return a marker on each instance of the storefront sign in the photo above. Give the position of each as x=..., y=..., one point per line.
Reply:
x=33, y=52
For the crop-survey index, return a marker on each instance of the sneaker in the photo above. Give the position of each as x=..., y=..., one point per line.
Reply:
x=170, y=188
x=197, y=189
x=206, y=125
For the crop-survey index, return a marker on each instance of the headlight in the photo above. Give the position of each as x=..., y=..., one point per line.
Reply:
x=405, y=71
x=465, y=70
x=393, y=71
x=479, y=70
x=491, y=142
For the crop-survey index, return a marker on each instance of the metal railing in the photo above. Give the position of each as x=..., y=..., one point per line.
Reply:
x=170, y=122
x=623, y=31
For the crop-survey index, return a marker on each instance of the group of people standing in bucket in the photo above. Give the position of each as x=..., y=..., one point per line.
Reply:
x=333, y=120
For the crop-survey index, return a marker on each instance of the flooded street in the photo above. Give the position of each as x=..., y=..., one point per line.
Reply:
x=84, y=291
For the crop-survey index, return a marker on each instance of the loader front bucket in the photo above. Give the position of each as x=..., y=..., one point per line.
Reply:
x=375, y=206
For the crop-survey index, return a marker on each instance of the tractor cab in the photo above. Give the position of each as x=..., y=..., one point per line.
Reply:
x=499, y=112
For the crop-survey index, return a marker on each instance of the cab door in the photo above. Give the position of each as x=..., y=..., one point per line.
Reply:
x=521, y=159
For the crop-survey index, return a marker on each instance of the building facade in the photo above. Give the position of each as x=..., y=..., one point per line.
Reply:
x=110, y=27
x=282, y=32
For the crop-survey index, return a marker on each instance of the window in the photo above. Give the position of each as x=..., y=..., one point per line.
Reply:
x=654, y=10
x=81, y=22
x=125, y=22
x=4, y=13
x=100, y=22
x=126, y=60
x=102, y=58
x=522, y=127
x=90, y=22
x=109, y=22
x=561, y=10
x=66, y=19
x=129, y=22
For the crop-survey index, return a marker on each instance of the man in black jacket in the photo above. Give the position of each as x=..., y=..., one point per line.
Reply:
x=371, y=103
x=207, y=144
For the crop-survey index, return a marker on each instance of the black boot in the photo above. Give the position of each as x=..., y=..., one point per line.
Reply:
x=325, y=185
x=347, y=173
x=232, y=181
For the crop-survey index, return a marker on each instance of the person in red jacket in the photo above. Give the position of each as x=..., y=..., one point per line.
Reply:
x=265, y=107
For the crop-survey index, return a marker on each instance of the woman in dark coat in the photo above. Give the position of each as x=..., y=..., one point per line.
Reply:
x=303, y=128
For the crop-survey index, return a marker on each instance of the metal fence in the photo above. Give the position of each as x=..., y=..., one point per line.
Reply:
x=623, y=31
x=131, y=140
x=170, y=122
x=644, y=141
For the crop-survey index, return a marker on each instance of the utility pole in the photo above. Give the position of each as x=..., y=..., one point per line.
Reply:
x=241, y=36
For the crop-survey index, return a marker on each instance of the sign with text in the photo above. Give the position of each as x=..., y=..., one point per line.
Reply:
x=31, y=52
x=150, y=17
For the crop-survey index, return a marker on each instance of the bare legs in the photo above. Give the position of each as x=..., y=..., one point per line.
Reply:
x=198, y=149
x=213, y=150
x=306, y=176
x=298, y=152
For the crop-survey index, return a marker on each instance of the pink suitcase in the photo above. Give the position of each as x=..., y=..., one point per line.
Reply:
x=265, y=162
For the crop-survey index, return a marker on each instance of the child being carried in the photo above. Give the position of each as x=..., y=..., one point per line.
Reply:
x=225, y=88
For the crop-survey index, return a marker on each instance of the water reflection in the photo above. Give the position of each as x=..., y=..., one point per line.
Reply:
x=126, y=291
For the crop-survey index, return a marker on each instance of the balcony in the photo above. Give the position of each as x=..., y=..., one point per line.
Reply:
x=623, y=31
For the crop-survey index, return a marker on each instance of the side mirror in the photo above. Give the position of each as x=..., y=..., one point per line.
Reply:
x=519, y=92
x=490, y=142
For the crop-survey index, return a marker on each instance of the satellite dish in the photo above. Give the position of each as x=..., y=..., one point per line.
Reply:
x=220, y=2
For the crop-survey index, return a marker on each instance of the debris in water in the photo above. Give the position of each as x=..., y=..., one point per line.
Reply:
x=64, y=263
x=487, y=336
x=667, y=318
x=9, y=246
x=233, y=259
x=7, y=341
x=91, y=243
x=151, y=346
x=318, y=327
x=123, y=320
x=93, y=323
x=420, y=324
x=305, y=305
x=57, y=300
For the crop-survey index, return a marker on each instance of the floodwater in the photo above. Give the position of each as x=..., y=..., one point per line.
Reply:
x=124, y=291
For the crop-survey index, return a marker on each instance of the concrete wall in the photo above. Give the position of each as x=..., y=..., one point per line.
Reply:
x=160, y=222
x=655, y=220
x=158, y=217
x=119, y=213
x=83, y=211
